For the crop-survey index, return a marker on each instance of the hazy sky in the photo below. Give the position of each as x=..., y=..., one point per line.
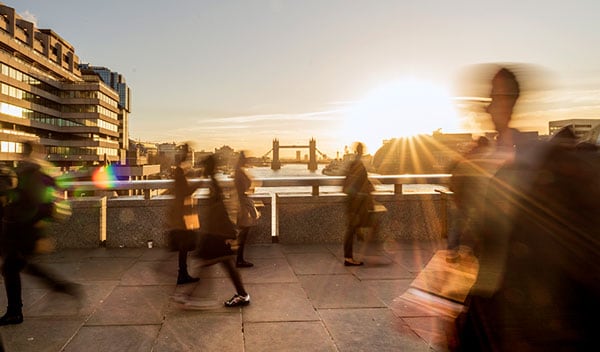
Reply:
x=244, y=72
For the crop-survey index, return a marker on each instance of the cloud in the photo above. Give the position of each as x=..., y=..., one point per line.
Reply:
x=326, y=115
x=28, y=16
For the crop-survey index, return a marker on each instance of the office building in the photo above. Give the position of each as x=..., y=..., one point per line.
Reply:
x=46, y=97
x=581, y=127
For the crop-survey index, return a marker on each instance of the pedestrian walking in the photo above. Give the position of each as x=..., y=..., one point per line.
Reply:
x=27, y=209
x=248, y=214
x=359, y=203
x=183, y=228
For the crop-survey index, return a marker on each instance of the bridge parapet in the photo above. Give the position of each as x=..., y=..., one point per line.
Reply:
x=309, y=217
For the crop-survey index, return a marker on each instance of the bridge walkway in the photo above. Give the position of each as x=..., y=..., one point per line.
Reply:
x=303, y=299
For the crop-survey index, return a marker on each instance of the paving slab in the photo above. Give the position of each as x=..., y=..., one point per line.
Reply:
x=132, y=305
x=288, y=336
x=302, y=299
x=379, y=269
x=114, y=338
x=263, y=251
x=319, y=263
x=150, y=273
x=388, y=290
x=338, y=291
x=274, y=270
x=40, y=334
x=370, y=330
x=285, y=302
x=200, y=331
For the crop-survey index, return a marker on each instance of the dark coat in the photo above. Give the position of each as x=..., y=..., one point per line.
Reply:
x=358, y=189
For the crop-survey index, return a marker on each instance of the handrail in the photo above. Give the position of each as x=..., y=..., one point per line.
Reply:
x=297, y=181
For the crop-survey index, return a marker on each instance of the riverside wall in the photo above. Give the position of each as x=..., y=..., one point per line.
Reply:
x=132, y=221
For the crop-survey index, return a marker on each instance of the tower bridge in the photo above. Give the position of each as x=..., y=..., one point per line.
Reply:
x=312, y=154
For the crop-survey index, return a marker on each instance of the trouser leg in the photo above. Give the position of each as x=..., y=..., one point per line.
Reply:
x=11, y=271
x=349, y=241
x=235, y=276
x=242, y=237
x=182, y=261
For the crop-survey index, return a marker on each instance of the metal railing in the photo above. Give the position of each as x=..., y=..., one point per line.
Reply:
x=146, y=187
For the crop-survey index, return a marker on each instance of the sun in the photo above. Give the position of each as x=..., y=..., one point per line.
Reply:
x=402, y=108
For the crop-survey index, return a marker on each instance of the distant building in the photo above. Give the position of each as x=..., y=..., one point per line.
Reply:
x=45, y=97
x=142, y=153
x=426, y=154
x=200, y=156
x=594, y=135
x=117, y=82
x=226, y=157
x=581, y=127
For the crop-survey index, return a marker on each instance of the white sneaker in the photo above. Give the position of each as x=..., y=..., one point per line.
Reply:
x=238, y=300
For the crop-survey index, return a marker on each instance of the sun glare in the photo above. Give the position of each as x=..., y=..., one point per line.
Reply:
x=400, y=109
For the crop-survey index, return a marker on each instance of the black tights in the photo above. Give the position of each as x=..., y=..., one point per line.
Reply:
x=14, y=263
x=182, y=262
x=234, y=275
x=242, y=238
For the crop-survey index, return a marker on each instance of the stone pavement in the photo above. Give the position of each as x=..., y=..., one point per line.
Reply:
x=303, y=299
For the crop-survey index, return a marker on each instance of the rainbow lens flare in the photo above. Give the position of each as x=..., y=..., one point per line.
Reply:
x=104, y=177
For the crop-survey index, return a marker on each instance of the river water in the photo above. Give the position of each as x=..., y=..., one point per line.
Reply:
x=291, y=170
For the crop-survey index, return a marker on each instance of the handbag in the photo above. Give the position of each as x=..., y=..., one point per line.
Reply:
x=190, y=218
x=248, y=214
x=215, y=219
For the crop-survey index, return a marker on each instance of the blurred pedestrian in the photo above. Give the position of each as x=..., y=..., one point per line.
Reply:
x=470, y=176
x=183, y=228
x=217, y=234
x=359, y=203
x=537, y=288
x=25, y=214
x=248, y=215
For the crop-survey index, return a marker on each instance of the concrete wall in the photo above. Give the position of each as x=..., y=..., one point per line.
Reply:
x=323, y=219
x=132, y=221
x=86, y=228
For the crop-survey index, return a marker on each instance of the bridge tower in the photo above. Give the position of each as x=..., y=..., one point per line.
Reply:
x=275, y=163
x=312, y=155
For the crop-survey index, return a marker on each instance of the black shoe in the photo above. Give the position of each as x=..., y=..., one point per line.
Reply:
x=186, y=279
x=243, y=264
x=352, y=262
x=11, y=319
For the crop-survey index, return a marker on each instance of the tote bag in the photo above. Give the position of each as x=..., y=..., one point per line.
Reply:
x=248, y=214
x=215, y=219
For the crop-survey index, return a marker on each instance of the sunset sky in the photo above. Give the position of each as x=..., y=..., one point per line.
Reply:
x=244, y=72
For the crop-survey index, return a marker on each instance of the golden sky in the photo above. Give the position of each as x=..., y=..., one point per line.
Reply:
x=241, y=73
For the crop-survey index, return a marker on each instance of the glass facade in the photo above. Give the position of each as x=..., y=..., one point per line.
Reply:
x=45, y=97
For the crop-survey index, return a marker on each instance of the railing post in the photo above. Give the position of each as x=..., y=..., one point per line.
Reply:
x=315, y=189
x=146, y=194
x=398, y=188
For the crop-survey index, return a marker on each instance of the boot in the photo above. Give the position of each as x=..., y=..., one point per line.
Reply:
x=11, y=318
x=184, y=278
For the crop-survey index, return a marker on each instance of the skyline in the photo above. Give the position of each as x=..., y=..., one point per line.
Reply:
x=241, y=73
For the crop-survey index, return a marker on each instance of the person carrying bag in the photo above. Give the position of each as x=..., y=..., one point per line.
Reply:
x=183, y=221
x=217, y=231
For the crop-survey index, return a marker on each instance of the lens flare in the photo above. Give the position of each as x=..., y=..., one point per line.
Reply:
x=104, y=177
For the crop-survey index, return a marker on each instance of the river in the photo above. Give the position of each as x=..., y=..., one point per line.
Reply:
x=291, y=170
